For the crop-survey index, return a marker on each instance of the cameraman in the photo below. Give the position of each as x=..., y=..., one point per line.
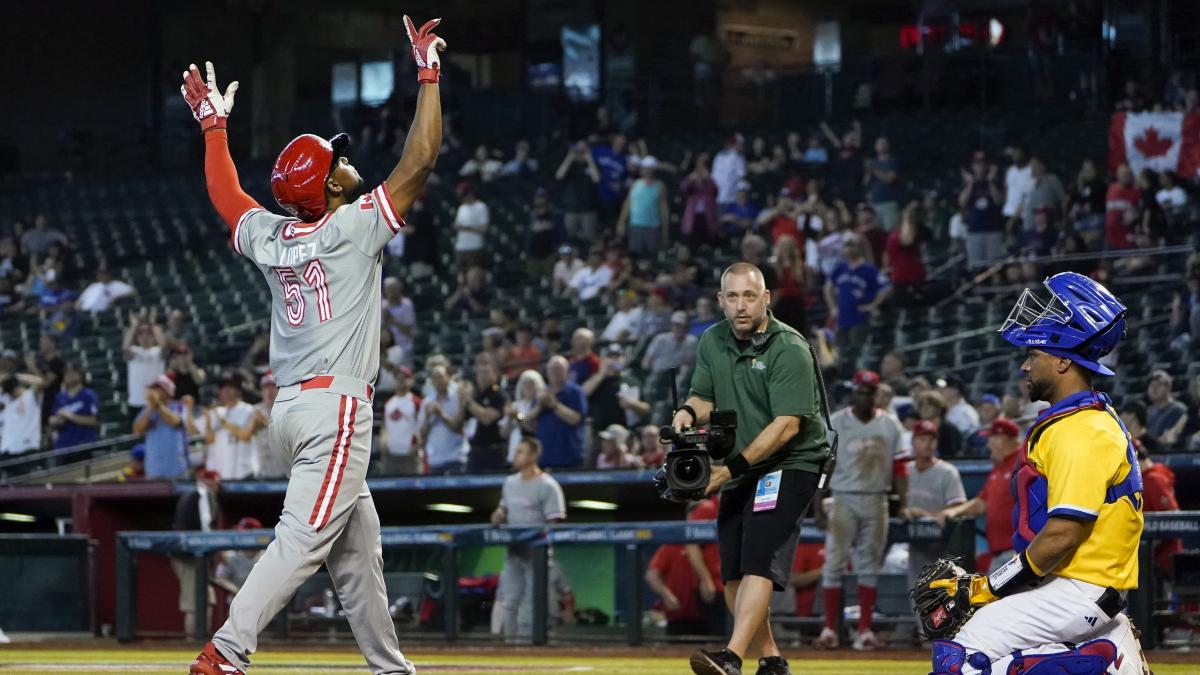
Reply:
x=755, y=365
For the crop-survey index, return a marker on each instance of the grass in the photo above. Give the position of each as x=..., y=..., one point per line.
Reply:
x=150, y=660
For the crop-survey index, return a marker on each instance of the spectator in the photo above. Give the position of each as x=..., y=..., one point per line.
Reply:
x=1045, y=192
x=529, y=497
x=183, y=371
x=178, y=329
x=687, y=580
x=738, y=216
x=58, y=305
x=472, y=295
x=471, y=223
x=144, y=348
x=657, y=317
x=866, y=226
x=1165, y=417
x=1159, y=495
x=21, y=415
x=933, y=487
x=610, y=158
x=233, y=567
x=420, y=239
x=1171, y=196
x=831, y=243
x=728, y=169
x=399, y=317
x=442, y=422
x=37, y=242
x=10, y=300
x=705, y=317
x=558, y=418
x=580, y=176
x=104, y=292
x=257, y=359
x=932, y=407
x=975, y=443
x=53, y=293
x=893, y=372
x=272, y=462
x=853, y=292
x=229, y=429
x=1018, y=181
x=481, y=164
x=1086, y=204
x=528, y=391
x=815, y=153
x=614, y=395
x=625, y=323
x=523, y=355
x=959, y=411
x=676, y=349
x=495, y=346
x=399, y=455
x=805, y=578
x=584, y=359
x=645, y=213
x=781, y=220
x=14, y=264
x=700, y=216
x=614, y=449
x=521, y=163
x=136, y=468
x=981, y=198
x=1192, y=430
x=868, y=468
x=74, y=417
x=1133, y=415
x=1121, y=213
x=483, y=405
x=881, y=181
x=542, y=237
x=788, y=297
x=902, y=258
x=995, y=498
x=593, y=278
x=166, y=424
x=650, y=451
x=197, y=510
x=47, y=363
x=565, y=269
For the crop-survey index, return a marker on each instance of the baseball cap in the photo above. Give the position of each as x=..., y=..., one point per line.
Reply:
x=950, y=381
x=614, y=432
x=166, y=384
x=925, y=427
x=138, y=451
x=209, y=474
x=906, y=411
x=679, y=317
x=990, y=398
x=1002, y=426
x=866, y=378
x=649, y=162
x=249, y=523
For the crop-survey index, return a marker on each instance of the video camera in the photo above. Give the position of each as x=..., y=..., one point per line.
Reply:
x=688, y=464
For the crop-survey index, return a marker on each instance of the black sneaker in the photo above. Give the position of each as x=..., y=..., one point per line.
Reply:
x=773, y=665
x=723, y=662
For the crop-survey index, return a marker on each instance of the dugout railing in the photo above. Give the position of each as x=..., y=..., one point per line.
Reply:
x=637, y=538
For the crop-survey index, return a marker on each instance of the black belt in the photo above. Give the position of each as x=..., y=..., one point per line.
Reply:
x=1111, y=602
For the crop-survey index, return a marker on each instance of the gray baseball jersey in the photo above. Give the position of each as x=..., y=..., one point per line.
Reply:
x=325, y=280
x=934, y=488
x=866, y=452
x=532, y=502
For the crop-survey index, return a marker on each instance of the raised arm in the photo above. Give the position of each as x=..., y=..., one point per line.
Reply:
x=407, y=180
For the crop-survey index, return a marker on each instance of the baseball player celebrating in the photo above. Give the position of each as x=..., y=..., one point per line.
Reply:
x=1055, y=607
x=322, y=264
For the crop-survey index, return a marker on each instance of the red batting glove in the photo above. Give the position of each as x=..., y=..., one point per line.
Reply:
x=425, y=47
x=209, y=107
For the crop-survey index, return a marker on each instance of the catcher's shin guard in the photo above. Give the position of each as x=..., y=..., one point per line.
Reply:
x=949, y=657
x=1090, y=658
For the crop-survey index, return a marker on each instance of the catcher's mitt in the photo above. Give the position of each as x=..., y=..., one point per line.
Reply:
x=941, y=614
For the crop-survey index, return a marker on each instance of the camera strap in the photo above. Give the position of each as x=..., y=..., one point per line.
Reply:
x=830, y=432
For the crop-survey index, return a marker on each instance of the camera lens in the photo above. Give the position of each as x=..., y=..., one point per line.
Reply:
x=688, y=470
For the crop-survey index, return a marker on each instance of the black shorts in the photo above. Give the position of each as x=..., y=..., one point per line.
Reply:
x=763, y=543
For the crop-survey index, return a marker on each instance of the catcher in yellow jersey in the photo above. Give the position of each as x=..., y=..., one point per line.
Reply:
x=1055, y=607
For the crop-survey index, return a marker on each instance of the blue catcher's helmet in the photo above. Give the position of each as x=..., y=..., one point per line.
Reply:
x=1082, y=321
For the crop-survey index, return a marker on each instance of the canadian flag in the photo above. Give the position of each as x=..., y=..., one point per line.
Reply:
x=1161, y=141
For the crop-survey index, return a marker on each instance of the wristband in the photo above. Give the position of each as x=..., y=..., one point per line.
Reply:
x=737, y=466
x=1013, y=575
x=690, y=411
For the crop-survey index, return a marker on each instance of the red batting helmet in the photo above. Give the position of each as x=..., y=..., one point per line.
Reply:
x=298, y=177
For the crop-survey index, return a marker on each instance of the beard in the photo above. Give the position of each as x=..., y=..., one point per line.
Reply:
x=1039, y=390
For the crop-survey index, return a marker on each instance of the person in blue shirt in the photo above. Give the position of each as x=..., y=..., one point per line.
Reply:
x=165, y=422
x=75, y=412
x=737, y=218
x=558, y=418
x=613, y=162
x=853, y=291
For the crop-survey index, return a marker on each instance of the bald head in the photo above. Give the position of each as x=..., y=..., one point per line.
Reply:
x=752, y=274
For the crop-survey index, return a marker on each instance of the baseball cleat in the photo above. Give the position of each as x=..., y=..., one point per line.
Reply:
x=773, y=665
x=724, y=662
x=827, y=640
x=866, y=642
x=210, y=662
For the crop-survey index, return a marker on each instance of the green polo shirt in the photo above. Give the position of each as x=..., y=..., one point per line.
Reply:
x=762, y=382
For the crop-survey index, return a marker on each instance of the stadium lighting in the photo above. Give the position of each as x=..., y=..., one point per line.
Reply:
x=449, y=508
x=17, y=517
x=593, y=505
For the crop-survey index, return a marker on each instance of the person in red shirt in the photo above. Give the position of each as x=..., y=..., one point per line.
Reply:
x=687, y=579
x=1158, y=494
x=995, y=498
x=902, y=256
x=1121, y=209
x=583, y=359
x=806, y=573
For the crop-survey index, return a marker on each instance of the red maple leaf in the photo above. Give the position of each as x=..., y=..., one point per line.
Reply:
x=1150, y=144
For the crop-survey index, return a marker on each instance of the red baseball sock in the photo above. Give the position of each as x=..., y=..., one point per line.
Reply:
x=833, y=605
x=866, y=604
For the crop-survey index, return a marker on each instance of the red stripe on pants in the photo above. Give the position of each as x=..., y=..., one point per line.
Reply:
x=329, y=471
x=349, y=438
